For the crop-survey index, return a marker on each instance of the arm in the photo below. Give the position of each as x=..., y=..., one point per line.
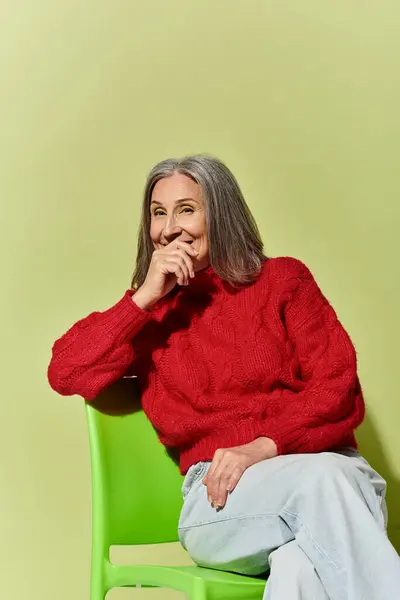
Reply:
x=331, y=405
x=96, y=351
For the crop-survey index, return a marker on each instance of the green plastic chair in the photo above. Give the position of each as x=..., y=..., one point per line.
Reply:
x=136, y=499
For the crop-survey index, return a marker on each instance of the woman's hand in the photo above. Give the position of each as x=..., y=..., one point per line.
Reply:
x=229, y=464
x=170, y=265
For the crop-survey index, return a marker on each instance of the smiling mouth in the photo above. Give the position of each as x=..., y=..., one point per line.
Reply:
x=184, y=241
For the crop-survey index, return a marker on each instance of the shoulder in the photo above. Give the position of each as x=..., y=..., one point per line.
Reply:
x=285, y=281
x=285, y=269
x=286, y=277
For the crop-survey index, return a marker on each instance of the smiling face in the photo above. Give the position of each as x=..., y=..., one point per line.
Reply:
x=177, y=212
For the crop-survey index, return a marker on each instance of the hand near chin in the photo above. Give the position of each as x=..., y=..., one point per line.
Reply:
x=170, y=266
x=229, y=464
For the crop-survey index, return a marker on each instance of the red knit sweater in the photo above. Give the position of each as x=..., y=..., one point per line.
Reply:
x=219, y=366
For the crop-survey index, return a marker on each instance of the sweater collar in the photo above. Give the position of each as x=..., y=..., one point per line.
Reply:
x=205, y=281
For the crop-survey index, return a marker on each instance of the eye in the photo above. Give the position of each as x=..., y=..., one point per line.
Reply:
x=158, y=212
x=187, y=210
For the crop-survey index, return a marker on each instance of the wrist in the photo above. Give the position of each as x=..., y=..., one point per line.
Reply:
x=267, y=446
x=142, y=299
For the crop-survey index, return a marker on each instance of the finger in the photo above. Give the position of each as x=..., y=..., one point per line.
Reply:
x=184, y=267
x=218, y=456
x=212, y=489
x=234, y=479
x=230, y=474
x=176, y=265
x=188, y=260
x=222, y=492
x=188, y=248
x=181, y=254
x=185, y=251
x=209, y=480
x=217, y=485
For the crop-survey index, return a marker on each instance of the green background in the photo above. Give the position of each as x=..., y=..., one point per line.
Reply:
x=301, y=99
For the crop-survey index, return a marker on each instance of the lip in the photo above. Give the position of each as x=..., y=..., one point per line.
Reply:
x=190, y=242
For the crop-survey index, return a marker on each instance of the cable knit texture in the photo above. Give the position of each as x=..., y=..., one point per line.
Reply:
x=220, y=366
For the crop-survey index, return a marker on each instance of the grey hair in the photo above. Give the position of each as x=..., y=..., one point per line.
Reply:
x=235, y=245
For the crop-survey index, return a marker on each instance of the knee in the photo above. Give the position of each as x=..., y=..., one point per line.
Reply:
x=331, y=467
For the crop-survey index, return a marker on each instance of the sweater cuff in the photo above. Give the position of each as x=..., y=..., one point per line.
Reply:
x=290, y=441
x=125, y=319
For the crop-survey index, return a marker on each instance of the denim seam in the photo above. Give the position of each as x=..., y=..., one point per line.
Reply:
x=227, y=519
x=315, y=544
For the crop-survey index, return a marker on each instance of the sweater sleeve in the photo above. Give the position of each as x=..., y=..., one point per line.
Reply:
x=97, y=350
x=331, y=405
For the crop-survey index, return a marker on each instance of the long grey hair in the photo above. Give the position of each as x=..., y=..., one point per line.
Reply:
x=235, y=245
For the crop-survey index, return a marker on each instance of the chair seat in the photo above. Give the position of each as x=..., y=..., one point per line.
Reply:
x=187, y=580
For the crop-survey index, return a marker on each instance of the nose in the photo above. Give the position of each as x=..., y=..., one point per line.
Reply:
x=172, y=230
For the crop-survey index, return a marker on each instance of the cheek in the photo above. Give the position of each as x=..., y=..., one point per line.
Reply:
x=197, y=227
x=155, y=231
x=204, y=235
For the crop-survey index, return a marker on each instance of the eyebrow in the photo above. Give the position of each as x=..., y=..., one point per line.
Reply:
x=180, y=201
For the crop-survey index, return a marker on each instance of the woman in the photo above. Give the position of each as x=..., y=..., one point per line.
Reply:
x=246, y=371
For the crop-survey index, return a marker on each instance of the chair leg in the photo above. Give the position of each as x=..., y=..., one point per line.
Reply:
x=199, y=591
x=97, y=590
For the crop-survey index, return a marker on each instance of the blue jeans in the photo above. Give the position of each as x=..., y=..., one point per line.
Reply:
x=317, y=522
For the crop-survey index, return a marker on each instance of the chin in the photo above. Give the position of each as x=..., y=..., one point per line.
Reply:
x=201, y=264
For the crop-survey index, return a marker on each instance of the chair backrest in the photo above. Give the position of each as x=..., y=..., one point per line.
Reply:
x=136, y=487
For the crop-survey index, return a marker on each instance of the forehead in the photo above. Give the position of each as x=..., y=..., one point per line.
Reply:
x=176, y=187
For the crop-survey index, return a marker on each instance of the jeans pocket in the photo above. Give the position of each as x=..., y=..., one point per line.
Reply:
x=195, y=473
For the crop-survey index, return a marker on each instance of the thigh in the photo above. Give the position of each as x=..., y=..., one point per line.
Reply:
x=236, y=538
x=241, y=536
